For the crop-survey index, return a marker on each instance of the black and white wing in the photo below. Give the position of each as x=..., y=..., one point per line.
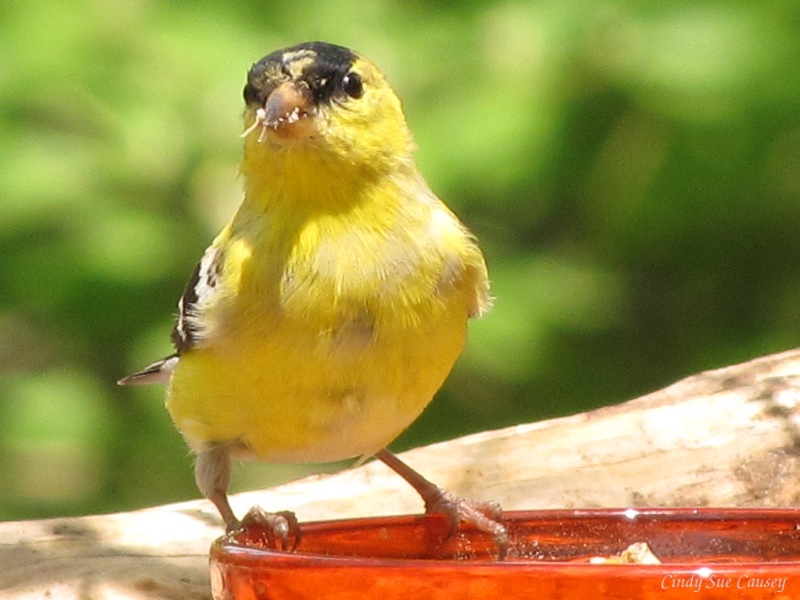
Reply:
x=201, y=287
x=187, y=331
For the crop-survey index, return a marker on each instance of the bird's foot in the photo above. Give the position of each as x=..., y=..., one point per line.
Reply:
x=483, y=516
x=277, y=531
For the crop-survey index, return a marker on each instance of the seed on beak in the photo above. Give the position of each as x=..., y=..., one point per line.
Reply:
x=287, y=113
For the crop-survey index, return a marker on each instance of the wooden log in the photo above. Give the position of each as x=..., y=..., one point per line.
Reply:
x=729, y=437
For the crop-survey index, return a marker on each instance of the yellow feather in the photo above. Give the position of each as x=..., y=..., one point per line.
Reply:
x=343, y=297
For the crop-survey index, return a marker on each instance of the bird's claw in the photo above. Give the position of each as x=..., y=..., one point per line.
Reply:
x=483, y=516
x=278, y=530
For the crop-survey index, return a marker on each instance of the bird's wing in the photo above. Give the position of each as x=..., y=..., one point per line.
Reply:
x=468, y=270
x=187, y=330
x=199, y=291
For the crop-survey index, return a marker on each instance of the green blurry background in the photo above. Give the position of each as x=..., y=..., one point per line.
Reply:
x=632, y=169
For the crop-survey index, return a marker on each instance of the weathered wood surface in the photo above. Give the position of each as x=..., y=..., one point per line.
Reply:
x=729, y=437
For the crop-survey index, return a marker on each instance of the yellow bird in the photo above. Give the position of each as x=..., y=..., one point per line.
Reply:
x=328, y=312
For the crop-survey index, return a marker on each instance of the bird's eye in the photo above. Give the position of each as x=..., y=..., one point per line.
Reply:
x=352, y=85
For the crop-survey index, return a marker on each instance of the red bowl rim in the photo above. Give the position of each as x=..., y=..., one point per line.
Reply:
x=223, y=546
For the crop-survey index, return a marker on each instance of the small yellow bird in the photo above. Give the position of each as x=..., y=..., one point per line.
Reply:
x=328, y=312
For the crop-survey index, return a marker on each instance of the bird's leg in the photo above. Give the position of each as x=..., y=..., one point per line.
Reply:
x=212, y=472
x=484, y=516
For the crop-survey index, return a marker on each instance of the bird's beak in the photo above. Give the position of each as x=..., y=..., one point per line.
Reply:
x=287, y=114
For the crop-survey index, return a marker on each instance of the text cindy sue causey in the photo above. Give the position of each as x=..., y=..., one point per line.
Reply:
x=708, y=581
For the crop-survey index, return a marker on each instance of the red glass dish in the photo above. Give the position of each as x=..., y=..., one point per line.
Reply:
x=704, y=553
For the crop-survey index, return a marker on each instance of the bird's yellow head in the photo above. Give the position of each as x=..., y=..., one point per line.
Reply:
x=320, y=107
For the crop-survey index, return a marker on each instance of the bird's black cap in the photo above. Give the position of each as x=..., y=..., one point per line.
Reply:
x=321, y=66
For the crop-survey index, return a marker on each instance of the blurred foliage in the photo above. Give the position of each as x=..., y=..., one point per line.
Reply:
x=631, y=168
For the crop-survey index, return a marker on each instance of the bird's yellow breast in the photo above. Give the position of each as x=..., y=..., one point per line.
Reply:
x=331, y=331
